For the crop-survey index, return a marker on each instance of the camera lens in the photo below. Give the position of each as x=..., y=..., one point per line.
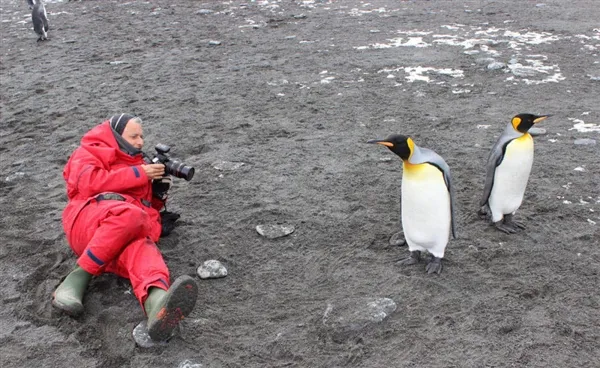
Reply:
x=179, y=170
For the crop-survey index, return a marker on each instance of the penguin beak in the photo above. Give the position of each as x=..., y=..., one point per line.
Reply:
x=382, y=142
x=540, y=118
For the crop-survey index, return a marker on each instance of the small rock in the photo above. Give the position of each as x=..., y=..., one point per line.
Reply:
x=117, y=62
x=537, y=131
x=204, y=11
x=274, y=231
x=374, y=31
x=513, y=61
x=496, y=65
x=385, y=159
x=397, y=239
x=579, y=168
x=540, y=5
x=15, y=177
x=141, y=337
x=299, y=16
x=290, y=37
x=214, y=43
x=69, y=41
x=227, y=165
x=211, y=269
x=189, y=364
x=585, y=142
x=485, y=60
x=594, y=77
x=524, y=72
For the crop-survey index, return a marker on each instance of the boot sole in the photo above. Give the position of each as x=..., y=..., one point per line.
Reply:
x=178, y=304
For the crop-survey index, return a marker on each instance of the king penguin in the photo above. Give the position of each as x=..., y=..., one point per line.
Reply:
x=427, y=201
x=508, y=168
x=40, y=20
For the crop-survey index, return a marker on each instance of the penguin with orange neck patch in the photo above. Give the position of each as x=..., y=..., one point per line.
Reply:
x=508, y=168
x=427, y=201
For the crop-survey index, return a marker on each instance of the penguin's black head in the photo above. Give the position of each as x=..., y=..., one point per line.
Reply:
x=401, y=145
x=523, y=122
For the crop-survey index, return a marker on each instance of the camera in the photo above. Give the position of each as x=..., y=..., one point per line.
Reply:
x=172, y=167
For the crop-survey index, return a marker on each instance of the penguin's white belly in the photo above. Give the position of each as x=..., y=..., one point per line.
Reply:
x=510, y=179
x=426, y=216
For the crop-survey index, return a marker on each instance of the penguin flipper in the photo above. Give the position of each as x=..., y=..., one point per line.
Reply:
x=426, y=155
x=495, y=159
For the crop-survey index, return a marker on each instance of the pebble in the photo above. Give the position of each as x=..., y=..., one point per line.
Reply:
x=204, y=11
x=227, y=165
x=274, y=231
x=214, y=43
x=141, y=337
x=485, y=60
x=537, y=131
x=523, y=72
x=397, y=239
x=189, y=364
x=211, y=269
x=496, y=65
x=15, y=177
x=585, y=142
x=345, y=319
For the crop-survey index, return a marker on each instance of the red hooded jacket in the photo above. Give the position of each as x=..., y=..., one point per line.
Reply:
x=99, y=166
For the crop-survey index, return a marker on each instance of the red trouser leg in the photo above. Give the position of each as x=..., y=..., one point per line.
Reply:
x=112, y=236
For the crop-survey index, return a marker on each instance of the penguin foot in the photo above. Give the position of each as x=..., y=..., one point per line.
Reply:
x=508, y=220
x=414, y=258
x=505, y=228
x=434, y=266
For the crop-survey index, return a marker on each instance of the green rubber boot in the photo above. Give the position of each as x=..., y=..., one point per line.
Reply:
x=68, y=296
x=165, y=309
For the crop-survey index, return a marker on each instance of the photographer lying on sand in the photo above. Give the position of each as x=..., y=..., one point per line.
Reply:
x=112, y=222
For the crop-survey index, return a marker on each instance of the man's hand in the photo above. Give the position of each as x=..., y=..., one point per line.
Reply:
x=154, y=171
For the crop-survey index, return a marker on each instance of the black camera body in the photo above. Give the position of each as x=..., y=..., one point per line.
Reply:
x=172, y=167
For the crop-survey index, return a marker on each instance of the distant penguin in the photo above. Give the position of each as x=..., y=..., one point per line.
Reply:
x=508, y=168
x=427, y=201
x=40, y=19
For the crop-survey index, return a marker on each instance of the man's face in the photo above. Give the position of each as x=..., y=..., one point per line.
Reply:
x=134, y=134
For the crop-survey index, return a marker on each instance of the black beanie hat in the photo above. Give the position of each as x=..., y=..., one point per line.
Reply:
x=118, y=122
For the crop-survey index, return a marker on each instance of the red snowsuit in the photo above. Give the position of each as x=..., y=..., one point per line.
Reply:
x=111, y=235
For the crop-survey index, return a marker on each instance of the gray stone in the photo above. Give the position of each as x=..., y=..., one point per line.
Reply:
x=487, y=60
x=585, y=142
x=345, y=319
x=211, y=269
x=214, y=43
x=397, y=239
x=227, y=165
x=496, y=65
x=15, y=177
x=537, y=131
x=523, y=72
x=275, y=231
x=204, y=11
x=141, y=337
x=189, y=364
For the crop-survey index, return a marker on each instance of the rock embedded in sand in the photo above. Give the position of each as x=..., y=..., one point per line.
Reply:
x=345, y=319
x=189, y=364
x=141, y=337
x=275, y=231
x=204, y=11
x=496, y=65
x=227, y=165
x=585, y=142
x=211, y=269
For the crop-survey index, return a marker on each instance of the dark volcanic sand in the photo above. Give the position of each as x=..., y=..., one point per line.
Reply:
x=294, y=90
